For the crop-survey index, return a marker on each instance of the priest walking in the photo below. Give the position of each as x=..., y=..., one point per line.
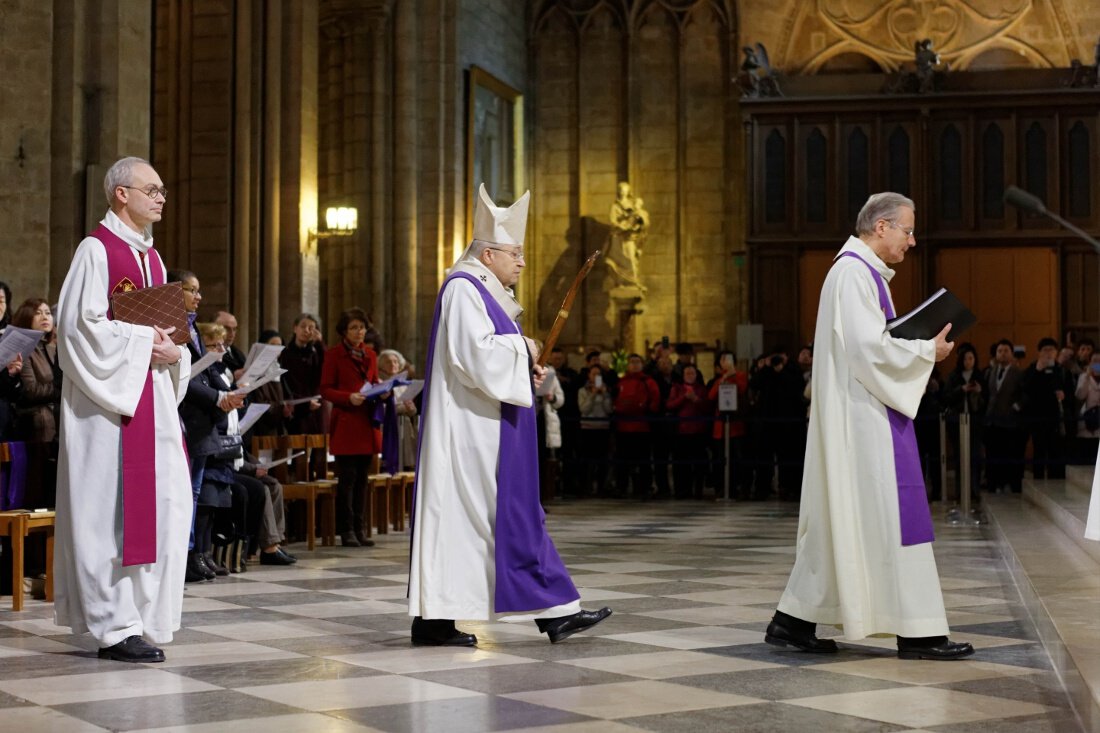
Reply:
x=864, y=557
x=480, y=549
x=123, y=489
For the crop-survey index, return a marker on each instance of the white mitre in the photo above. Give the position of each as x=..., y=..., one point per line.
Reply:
x=499, y=226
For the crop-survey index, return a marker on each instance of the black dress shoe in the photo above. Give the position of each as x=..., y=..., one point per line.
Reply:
x=938, y=648
x=348, y=539
x=287, y=555
x=364, y=541
x=207, y=568
x=132, y=649
x=196, y=571
x=219, y=570
x=439, y=632
x=562, y=627
x=785, y=630
x=275, y=558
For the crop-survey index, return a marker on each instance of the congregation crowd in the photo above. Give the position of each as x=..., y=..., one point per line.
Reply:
x=651, y=432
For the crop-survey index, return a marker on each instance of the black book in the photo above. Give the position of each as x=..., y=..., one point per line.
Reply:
x=929, y=318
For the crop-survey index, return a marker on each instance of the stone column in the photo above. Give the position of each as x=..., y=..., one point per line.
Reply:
x=403, y=286
x=298, y=265
x=242, y=294
x=272, y=142
x=379, y=166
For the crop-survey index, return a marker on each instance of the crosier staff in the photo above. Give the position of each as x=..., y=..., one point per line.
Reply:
x=563, y=313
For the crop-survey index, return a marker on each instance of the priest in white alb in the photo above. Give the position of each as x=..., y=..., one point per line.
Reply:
x=864, y=557
x=123, y=486
x=480, y=549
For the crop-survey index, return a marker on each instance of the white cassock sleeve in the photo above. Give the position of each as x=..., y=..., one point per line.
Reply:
x=107, y=360
x=894, y=370
x=495, y=364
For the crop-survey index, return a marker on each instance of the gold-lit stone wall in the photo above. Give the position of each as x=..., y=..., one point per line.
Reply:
x=637, y=92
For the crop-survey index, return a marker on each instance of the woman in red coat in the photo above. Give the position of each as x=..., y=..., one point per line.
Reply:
x=354, y=437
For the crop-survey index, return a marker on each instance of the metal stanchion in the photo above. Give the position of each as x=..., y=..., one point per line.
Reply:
x=963, y=515
x=726, y=478
x=943, y=454
x=727, y=405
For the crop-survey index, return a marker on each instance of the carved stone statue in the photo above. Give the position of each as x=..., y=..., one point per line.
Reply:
x=630, y=224
x=927, y=76
x=1085, y=76
x=757, y=78
x=927, y=60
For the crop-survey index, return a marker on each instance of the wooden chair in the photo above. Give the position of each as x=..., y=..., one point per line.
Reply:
x=17, y=525
x=401, y=498
x=294, y=476
x=379, y=488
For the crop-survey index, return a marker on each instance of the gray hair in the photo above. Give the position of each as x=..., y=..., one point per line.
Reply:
x=881, y=206
x=477, y=246
x=120, y=174
x=402, y=362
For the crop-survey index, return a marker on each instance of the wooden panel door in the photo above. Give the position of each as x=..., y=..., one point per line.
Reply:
x=1013, y=292
x=813, y=266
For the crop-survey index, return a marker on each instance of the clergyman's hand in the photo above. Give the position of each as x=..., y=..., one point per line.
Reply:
x=164, y=351
x=533, y=348
x=539, y=373
x=943, y=346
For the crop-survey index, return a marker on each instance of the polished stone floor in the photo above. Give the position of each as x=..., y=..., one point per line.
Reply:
x=323, y=646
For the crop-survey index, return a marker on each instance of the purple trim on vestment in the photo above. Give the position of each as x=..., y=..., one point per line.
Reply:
x=530, y=574
x=913, y=511
x=138, y=474
x=13, y=477
x=391, y=453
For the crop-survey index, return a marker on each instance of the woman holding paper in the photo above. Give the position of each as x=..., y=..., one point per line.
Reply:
x=203, y=407
x=354, y=437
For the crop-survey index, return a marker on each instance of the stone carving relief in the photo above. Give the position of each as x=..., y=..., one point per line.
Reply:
x=886, y=31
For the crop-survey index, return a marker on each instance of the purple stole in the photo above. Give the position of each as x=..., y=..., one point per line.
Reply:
x=530, y=574
x=138, y=440
x=916, y=517
x=13, y=477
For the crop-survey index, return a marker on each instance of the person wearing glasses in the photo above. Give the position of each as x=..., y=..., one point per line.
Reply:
x=123, y=496
x=480, y=549
x=864, y=552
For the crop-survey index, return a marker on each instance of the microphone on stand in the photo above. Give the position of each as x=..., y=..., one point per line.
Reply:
x=1029, y=202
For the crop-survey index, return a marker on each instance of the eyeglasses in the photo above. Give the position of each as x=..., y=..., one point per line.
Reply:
x=193, y=291
x=151, y=191
x=517, y=255
x=910, y=232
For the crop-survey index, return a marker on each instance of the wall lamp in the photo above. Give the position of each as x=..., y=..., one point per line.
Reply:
x=340, y=221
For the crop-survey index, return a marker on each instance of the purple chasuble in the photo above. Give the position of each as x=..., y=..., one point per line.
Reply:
x=530, y=574
x=138, y=439
x=916, y=517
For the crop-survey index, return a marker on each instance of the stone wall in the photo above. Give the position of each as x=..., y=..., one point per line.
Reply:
x=75, y=95
x=26, y=32
x=641, y=93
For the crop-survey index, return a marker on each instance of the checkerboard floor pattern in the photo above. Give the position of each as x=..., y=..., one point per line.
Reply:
x=324, y=646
